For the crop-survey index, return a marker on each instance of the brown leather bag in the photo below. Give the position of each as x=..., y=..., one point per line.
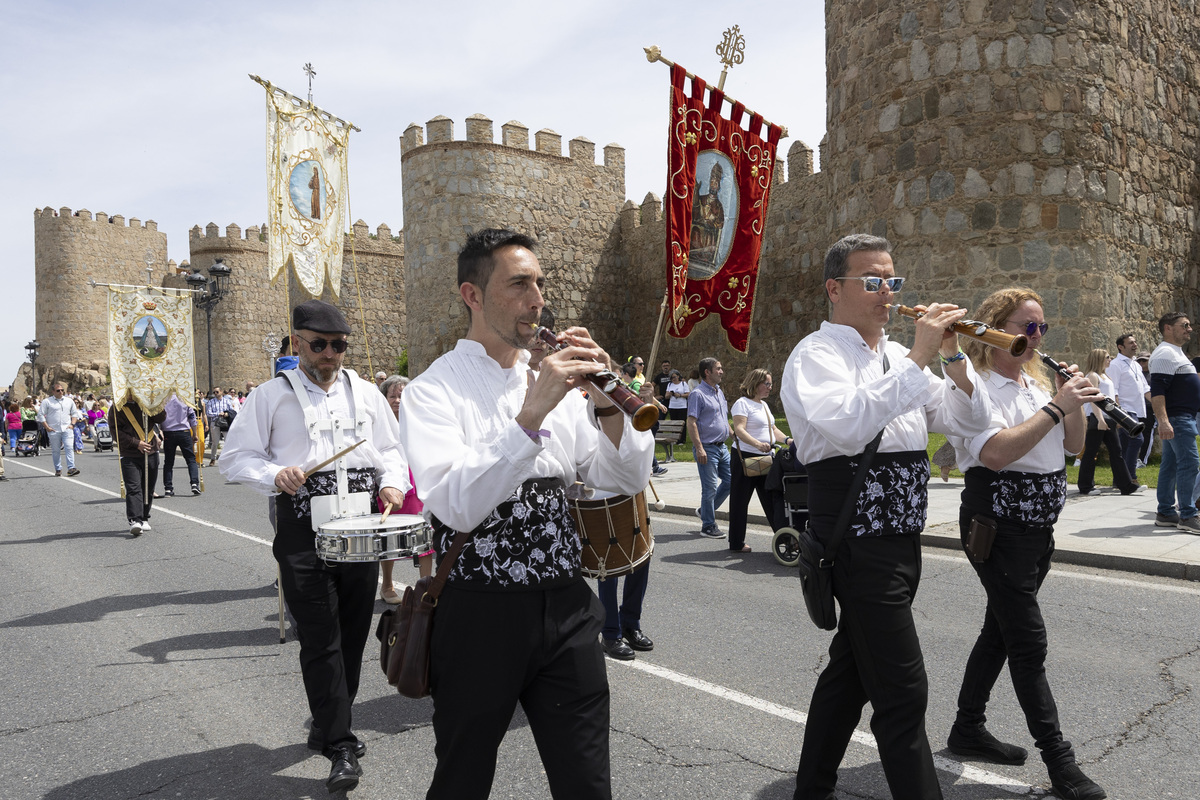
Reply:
x=405, y=632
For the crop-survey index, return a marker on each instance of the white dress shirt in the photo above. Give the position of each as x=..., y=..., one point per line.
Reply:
x=270, y=434
x=1130, y=385
x=837, y=397
x=469, y=454
x=58, y=415
x=1012, y=404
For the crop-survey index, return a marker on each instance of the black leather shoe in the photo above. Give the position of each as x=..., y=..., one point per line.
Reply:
x=345, y=771
x=981, y=744
x=638, y=640
x=616, y=648
x=316, y=741
x=1070, y=783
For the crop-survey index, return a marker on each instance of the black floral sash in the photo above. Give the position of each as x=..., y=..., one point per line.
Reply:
x=528, y=542
x=325, y=483
x=1021, y=498
x=893, y=501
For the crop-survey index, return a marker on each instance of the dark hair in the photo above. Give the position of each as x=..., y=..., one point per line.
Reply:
x=1121, y=339
x=284, y=345
x=839, y=253
x=707, y=364
x=475, y=260
x=1169, y=318
x=546, y=320
x=629, y=369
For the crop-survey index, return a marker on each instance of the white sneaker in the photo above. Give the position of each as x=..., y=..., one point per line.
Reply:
x=135, y=528
x=146, y=526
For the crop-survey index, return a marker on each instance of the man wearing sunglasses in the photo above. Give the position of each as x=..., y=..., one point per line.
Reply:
x=1175, y=396
x=842, y=385
x=58, y=415
x=288, y=426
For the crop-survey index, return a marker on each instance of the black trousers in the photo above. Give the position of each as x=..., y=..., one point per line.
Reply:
x=491, y=650
x=874, y=656
x=1014, y=630
x=333, y=605
x=1091, y=448
x=183, y=441
x=133, y=472
x=741, y=489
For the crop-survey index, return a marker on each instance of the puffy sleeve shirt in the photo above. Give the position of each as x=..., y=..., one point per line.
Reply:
x=837, y=397
x=469, y=454
x=1011, y=404
x=270, y=434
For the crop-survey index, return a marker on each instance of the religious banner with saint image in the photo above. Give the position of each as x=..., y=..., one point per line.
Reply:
x=150, y=350
x=309, y=186
x=719, y=182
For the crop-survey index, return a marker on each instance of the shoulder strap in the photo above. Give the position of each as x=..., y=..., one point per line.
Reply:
x=851, y=502
x=306, y=406
x=136, y=426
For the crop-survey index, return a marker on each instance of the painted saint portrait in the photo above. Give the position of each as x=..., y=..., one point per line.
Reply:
x=150, y=337
x=714, y=215
x=306, y=186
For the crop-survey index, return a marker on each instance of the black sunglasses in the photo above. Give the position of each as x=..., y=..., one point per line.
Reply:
x=317, y=345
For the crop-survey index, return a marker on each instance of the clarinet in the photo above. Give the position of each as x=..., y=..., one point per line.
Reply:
x=644, y=414
x=1109, y=406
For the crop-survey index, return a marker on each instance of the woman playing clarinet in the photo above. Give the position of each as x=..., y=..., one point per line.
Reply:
x=1016, y=485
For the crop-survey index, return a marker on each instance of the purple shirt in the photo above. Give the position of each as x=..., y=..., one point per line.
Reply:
x=707, y=404
x=179, y=416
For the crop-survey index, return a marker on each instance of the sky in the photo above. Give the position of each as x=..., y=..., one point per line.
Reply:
x=144, y=109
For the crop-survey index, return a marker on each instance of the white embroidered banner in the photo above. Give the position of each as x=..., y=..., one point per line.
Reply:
x=309, y=186
x=150, y=350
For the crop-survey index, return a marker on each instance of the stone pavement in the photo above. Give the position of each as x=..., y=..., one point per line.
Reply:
x=1103, y=530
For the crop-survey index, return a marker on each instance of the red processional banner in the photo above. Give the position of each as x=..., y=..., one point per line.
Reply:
x=719, y=181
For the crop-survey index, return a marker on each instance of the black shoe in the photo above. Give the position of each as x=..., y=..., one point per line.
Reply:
x=616, y=648
x=2, y=478
x=981, y=744
x=195, y=489
x=345, y=771
x=316, y=741
x=638, y=640
x=168, y=492
x=1070, y=783
x=72, y=472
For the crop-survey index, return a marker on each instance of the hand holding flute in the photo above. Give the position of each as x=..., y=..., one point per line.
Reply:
x=1066, y=376
x=935, y=331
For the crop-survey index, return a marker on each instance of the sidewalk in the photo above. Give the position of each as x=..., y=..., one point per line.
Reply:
x=1103, y=530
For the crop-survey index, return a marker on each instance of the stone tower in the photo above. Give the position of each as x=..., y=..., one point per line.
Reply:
x=1049, y=143
x=453, y=188
x=69, y=248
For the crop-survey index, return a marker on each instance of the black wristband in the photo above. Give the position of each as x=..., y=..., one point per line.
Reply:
x=1057, y=419
x=1056, y=407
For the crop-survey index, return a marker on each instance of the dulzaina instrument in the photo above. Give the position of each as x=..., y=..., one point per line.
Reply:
x=1132, y=425
x=1015, y=345
x=644, y=414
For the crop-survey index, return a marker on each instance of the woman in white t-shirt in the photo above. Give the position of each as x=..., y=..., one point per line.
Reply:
x=677, y=396
x=755, y=432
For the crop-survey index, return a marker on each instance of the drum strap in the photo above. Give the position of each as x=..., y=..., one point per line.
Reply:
x=336, y=425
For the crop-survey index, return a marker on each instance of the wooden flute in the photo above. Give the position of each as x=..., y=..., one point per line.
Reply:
x=992, y=337
x=644, y=414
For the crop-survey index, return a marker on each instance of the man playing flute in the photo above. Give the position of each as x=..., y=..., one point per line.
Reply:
x=841, y=386
x=493, y=448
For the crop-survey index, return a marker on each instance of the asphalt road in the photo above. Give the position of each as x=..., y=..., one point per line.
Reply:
x=151, y=667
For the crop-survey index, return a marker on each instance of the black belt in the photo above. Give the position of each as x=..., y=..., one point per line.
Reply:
x=714, y=444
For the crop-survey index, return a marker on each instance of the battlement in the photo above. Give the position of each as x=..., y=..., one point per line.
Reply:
x=83, y=215
x=513, y=136
x=211, y=236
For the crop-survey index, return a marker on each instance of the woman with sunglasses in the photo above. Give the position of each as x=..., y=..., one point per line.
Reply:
x=1102, y=430
x=1016, y=486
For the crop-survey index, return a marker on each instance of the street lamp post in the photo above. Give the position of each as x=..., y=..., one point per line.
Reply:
x=211, y=291
x=31, y=350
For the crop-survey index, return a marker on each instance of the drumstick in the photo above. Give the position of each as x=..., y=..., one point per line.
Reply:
x=387, y=511
x=659, y=505
x=332, y=459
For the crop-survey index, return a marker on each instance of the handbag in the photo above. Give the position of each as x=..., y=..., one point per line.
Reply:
x=754, y=466
x=816, y=572
x=405, y=632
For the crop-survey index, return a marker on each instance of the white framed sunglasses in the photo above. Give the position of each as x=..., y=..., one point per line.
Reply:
x=874, y=283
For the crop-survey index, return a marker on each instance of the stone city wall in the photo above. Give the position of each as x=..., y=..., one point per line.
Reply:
x=454, y=188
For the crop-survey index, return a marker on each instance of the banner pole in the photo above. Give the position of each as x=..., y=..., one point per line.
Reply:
x=654, y=54
x=662, y=312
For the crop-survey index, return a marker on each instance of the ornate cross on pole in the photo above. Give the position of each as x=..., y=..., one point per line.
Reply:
x=732, y=51
x=311, y=73
x=149, y=259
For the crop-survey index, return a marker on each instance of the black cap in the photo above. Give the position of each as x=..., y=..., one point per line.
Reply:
x=319, y=316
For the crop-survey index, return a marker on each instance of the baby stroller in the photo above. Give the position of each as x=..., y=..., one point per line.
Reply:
x=29, y=443
x=104, y=440
x=787, y=483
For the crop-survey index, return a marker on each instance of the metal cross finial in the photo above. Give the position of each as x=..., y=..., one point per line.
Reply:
x=731, y=50
x=311, y=73
x=149, y=259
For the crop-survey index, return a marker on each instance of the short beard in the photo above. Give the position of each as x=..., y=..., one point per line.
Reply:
x=316, y=373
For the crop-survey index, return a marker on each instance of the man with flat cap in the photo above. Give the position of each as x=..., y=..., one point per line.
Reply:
x=288, y=426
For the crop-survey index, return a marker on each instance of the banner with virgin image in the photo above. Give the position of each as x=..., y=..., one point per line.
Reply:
x=718, y=185
x=150, y=350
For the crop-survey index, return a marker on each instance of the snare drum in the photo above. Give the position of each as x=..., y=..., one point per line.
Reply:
x=354, y=539
x=615, y=533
